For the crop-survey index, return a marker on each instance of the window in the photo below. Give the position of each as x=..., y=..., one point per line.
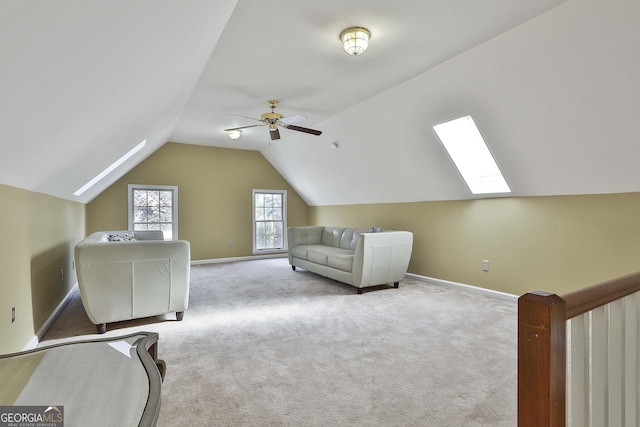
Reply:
x=154, y=207
x=472, y=157
x=269, y=220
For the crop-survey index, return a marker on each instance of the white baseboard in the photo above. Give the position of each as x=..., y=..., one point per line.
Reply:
x=468, y=288
x=35, y=340
x=234, y=259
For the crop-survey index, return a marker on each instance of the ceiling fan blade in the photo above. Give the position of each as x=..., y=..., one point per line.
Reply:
x=305, y=130
x=275, y=134
x=242, y=127
x=293, y=119
x=245, y=117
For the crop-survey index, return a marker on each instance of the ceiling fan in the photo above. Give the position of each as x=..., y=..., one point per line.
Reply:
x=275, y=120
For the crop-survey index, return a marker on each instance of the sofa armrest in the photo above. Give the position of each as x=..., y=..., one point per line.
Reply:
x=308, y=235
x=381, y=258
x=124, y=280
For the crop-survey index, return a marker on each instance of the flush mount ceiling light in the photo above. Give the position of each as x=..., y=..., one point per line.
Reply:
x=234, y=133
x=355, y=40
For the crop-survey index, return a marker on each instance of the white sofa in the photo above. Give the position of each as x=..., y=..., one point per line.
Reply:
x=138, y=275
x=353, y=256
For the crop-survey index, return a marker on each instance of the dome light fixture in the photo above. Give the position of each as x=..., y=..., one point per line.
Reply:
x=355, y=40
x=234, y=133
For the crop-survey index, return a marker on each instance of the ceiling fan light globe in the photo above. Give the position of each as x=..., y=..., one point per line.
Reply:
x=234, y=134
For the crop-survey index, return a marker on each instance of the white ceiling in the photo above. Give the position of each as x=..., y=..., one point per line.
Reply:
x=551, y=84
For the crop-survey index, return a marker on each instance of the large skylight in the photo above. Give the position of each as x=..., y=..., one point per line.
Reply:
x=462, y=140
x=109, y=169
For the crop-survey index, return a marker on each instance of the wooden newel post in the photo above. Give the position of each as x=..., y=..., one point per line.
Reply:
x=541, y=371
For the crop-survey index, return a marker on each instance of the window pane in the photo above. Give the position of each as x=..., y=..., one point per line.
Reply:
x=268, y=200
x=270, y=235
x=278, y=242
x=139, y=198
x=259, y=200
x=153, y=214
x=165, y=213
x=268, y=214
x=166, y=198
x=140, y=214
x=259, y=214
x=153, y=198
x=278, y=228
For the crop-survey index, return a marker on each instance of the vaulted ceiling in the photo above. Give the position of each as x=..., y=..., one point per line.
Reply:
x=553, y=86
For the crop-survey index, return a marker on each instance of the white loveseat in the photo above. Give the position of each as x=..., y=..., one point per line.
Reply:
x=353, y=256
x=137, y=275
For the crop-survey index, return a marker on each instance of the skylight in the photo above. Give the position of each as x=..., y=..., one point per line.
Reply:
x=462, y=140
x=109, y=169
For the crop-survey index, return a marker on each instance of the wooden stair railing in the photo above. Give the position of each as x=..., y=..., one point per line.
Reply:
x=542, y=346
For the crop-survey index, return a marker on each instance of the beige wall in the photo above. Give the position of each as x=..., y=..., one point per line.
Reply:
x=37, y=243
x=554, y=244
x=214, y=196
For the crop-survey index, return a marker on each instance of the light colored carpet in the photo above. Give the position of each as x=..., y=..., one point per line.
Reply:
x=262, y=345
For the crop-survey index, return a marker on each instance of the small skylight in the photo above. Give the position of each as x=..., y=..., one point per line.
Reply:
x=108, y=170
x=462, y=140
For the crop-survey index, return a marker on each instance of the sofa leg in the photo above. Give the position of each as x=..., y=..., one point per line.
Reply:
x=293, y=267
x=396, y=284
x=359, y=291
x=102, y=328
x=162, y=368
x=179, y=315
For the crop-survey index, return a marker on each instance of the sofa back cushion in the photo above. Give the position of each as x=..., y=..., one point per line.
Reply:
x=331, y=236
x=349, y=238
x=340, y=237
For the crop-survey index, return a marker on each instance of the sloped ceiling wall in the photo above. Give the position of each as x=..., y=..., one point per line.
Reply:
x=556, y=99
x=555, y=95
x=81, y=83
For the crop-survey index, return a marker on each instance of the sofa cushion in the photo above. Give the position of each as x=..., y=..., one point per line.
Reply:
x=341, y=261
x=320, y=254
x=301, y=251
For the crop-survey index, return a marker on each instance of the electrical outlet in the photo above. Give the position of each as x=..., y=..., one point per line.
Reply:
x=13, y=314
x=230, y=244
x=62, y=275
x=485, y=265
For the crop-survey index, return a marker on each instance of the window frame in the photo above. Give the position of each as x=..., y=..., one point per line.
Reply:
x=254, y=222
x=174, y=204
